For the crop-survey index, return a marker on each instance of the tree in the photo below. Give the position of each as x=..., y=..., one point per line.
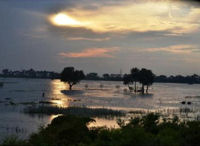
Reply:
x=5, y=72
x=127, y=80
x=71, y=76
x=135, y=74
x=106, y=76
x=92, y=76
x=146, y=78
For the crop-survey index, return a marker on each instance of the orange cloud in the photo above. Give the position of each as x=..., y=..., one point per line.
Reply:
x=90, y=53
x=177, y=49
x=88, y=39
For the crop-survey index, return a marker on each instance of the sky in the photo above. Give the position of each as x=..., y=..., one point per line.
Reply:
x=100, y=36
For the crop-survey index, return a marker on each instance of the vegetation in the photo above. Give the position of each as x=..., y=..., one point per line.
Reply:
x=146, y=78
x=135, y=76
x=189, y=79
x=143, y=76
x=192, y=79
x=14, y=141
x=127, y=80
x=142, y=131
x=71, y=76
x=78, y=111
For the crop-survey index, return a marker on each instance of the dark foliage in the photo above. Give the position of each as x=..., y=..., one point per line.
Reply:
x=143, y=76
x=193, y=79
x=146, y=78
x=143, y=131
x=127, y=79
x=71, y=76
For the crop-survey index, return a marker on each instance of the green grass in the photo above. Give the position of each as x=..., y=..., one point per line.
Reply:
x=78, y=111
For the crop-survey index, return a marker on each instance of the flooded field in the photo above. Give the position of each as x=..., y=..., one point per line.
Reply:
x=16, y=94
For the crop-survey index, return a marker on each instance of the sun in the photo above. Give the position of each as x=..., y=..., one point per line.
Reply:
x=62, y=19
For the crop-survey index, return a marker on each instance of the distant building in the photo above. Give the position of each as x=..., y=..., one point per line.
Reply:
x=92, y=76
x=30, y=74
x=115, y=75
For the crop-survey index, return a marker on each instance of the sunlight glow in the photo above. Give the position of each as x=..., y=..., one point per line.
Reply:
x=62, y=19
x=141, y=17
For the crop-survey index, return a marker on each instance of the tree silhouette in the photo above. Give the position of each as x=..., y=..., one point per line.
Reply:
x=146, y=78
x=71, y=76
x=135, y=76
x=127, y=80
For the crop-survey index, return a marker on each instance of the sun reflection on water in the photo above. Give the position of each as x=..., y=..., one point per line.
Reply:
x=59, y=98
x=101, y=122
x=53, y=117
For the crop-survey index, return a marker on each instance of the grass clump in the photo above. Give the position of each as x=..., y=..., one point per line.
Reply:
x=78, y=111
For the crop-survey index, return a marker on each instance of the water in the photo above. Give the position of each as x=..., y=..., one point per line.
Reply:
x=16, y=92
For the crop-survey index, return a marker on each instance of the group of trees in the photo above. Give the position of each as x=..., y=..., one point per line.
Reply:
x=104, y=77
x=144, y=76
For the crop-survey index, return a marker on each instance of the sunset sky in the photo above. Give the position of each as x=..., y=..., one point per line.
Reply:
x=101, y=36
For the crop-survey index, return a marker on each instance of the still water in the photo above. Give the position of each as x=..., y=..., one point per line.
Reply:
x=16, y=93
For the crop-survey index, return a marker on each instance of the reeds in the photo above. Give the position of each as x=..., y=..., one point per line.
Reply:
x=78, y=111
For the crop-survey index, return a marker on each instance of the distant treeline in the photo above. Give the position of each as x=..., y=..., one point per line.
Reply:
x=31, y=73
x=190, y=79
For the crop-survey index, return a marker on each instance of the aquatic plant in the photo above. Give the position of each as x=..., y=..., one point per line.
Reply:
x=80, y=111
x=117, y=86
x=86, y=86
x=101, y=86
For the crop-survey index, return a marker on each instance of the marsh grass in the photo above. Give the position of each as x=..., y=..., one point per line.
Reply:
x=79, y=111
x=28, y=103
x=46, y=102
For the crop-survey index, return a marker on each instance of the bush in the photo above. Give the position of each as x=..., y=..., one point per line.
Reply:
x=73, y=131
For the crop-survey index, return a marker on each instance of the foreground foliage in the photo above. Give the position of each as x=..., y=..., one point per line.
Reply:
x=147, y=130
